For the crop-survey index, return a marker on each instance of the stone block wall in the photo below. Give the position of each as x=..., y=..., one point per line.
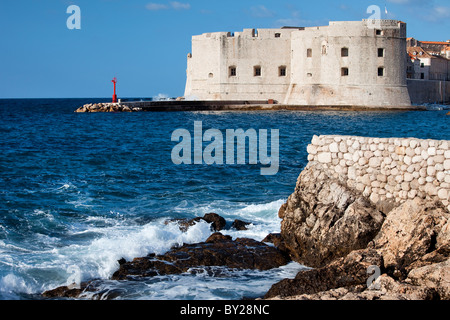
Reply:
x=386, y=169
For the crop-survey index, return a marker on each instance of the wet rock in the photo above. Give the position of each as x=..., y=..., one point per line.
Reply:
x=88, y=290
x=278, y=242
x=218, y=250
x=65, y=292
x=218, y=237
x=343, y=272
x=217, y=222
x=240, y=225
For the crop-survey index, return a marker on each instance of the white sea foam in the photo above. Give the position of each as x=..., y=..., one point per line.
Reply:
x=13, y=284
x=106, y=239
x=99, y=258
x=263, y=217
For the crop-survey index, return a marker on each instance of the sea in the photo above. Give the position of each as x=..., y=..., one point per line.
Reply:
x=78, y=192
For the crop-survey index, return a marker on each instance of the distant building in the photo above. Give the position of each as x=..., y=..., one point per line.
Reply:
x=356, y=63
x=413, y=67
x=446, y=52
x=432, y=66
x=432, y=47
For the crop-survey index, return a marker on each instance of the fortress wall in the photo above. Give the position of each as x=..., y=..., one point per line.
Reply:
x=429, y=91
x=319, y=79
x=213, y=54
x=387, y=169
x=315, y=71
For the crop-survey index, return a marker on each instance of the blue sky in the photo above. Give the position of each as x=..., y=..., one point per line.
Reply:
x=144, y=43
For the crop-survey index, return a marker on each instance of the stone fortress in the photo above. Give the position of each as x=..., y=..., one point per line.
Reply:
x=348, y=63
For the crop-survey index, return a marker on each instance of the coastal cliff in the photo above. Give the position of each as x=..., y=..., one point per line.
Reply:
x=369, y=217
x=369, y=209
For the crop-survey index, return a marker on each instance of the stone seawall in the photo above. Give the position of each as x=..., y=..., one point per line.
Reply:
x=387, y=169
x=429, y=91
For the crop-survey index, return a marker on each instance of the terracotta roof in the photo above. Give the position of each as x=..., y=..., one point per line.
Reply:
x=413, y=57
x=435, y=42
x=419, y=52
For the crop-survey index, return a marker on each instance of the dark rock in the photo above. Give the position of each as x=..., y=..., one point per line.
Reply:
x=218, y=237
x=218, y=250
x=240, y=225
x=343, y=272
x=277, y=240
x=92, y=289
x=64, y=292
x=217, y=222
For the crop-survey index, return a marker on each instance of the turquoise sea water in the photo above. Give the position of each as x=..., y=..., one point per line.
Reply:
x=80, y=191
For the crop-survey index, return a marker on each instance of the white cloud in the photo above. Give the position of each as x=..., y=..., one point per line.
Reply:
x=443, y=12
x=438, y=13
x=156, y=6
x=400, y=1
x=261, y=12
x=180, y=6
x=172, y=5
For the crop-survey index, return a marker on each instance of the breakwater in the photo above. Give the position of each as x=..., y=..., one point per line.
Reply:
x=183, y=105
x=387, y=169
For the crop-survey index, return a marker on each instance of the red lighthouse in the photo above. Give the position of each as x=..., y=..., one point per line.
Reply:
x=114, y=96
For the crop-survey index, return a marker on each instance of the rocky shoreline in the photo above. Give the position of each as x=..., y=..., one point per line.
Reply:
x=355, y=249
x=217, y=250
x=409, y=246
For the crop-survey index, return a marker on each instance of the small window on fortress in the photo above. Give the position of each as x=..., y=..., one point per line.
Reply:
x=379, y=32
x=309, y=53
x=282, y=71
x=381, y=72
x=257, y=71
x=344, y=52
x=380, y=52
x=232, y=72
x=277, y=35
x=344, y=72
